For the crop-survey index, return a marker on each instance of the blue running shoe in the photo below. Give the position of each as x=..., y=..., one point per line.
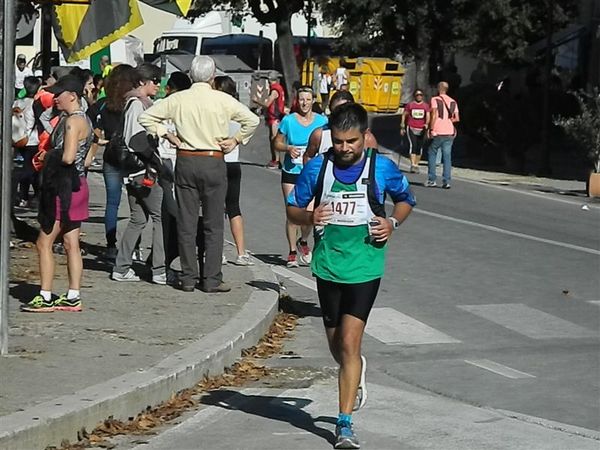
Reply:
x=345, y=437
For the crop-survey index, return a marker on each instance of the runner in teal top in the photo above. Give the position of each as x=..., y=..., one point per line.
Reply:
x=349, y=184
x=296, y=135
x=292, y=139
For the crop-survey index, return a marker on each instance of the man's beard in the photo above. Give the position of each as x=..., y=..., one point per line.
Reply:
x=349, y=159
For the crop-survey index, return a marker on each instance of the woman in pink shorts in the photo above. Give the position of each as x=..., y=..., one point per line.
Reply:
x=64, y=197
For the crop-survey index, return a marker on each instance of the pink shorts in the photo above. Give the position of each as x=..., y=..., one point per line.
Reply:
x=79, y=209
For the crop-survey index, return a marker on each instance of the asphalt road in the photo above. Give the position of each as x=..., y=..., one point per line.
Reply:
x=490, y=303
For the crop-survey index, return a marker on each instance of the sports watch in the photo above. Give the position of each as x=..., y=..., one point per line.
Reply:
x=395, y=223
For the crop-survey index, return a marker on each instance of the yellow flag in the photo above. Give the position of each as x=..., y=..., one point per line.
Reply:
x=179, y=7
x=82, y=30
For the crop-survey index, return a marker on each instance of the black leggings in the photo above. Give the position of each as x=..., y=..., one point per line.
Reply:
x=28, y=176
x=232, y=199
x=337, y=299
x=416, y=141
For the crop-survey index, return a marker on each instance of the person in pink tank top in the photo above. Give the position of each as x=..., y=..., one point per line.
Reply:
x=444, y=116
x=414, y=123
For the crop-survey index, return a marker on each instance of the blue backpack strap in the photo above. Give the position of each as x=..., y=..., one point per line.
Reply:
x=327, y=156
x=376, y=207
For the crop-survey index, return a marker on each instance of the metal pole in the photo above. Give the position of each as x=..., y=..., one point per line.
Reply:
x=7, y=83
x=46, y=39
x=544, y=164
x=309, y=20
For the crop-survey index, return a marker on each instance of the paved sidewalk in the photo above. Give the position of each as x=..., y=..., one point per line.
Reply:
x=142, y=339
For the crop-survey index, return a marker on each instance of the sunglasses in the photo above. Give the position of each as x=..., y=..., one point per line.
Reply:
x=156, y=81
x=419, y=95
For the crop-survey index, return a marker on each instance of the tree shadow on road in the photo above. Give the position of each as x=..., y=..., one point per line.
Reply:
x=24, y=291
x=269, y=258
x=284, y=409
x=298, y=307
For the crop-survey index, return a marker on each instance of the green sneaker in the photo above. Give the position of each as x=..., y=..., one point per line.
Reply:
x=63, y=303
x=38, y=304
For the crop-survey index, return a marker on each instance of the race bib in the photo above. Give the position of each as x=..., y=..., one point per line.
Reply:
x=349, y=208
x=299, y=159
x=417, y=113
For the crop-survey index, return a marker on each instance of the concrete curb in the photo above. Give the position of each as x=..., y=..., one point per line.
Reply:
x=550, y=424
x=122, y=397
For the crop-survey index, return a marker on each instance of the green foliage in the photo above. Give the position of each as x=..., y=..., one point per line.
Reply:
x=584, y=128
x=265, y=11
x=200, y=7
x=497, y=31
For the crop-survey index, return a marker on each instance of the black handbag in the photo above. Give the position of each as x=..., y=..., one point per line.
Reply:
x=118, y=154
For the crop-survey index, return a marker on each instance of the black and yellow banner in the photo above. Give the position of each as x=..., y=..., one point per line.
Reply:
x=82, y=30
x=179, y=7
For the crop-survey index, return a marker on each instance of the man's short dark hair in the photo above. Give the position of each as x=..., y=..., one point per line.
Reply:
x=32, y=85
x=348, y=116
x=339, y=96
x=83, y=74
x=179, y=81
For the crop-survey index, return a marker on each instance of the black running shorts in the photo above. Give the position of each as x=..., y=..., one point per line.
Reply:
x=337, y=299
x=289, y=178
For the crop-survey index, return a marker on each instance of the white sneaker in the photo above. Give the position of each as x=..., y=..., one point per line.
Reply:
x=127, y=276
x=243, y=260
x=361, y=393
x=160, y=279
x=223, y=260
x=304, y=253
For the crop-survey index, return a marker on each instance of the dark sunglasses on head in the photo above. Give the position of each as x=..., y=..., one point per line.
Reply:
x=305, y=89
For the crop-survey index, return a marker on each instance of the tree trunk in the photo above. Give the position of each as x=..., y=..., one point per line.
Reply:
x=422, y=76
x=287, y=56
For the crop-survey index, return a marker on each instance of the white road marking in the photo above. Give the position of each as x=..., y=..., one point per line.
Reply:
x=392, y=327
x=494, y=184
x=499, y=369
x=594, y=302
x=530, y=322
x=295, y=277
x=509, y=233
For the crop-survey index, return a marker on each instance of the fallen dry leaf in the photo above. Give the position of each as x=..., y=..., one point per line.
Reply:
x=244, y=370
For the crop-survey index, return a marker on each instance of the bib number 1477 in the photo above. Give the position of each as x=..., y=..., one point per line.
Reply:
x=344, y=207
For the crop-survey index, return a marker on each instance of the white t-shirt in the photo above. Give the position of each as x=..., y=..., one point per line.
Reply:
x=21, y=75
x=234, y=155
x=324, y=82
x=341, y=77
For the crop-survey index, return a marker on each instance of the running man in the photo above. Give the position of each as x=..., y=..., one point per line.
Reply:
x=349, y=184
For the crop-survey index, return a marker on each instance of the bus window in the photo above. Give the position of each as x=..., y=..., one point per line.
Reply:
x=180, y=43
x=255, y=51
